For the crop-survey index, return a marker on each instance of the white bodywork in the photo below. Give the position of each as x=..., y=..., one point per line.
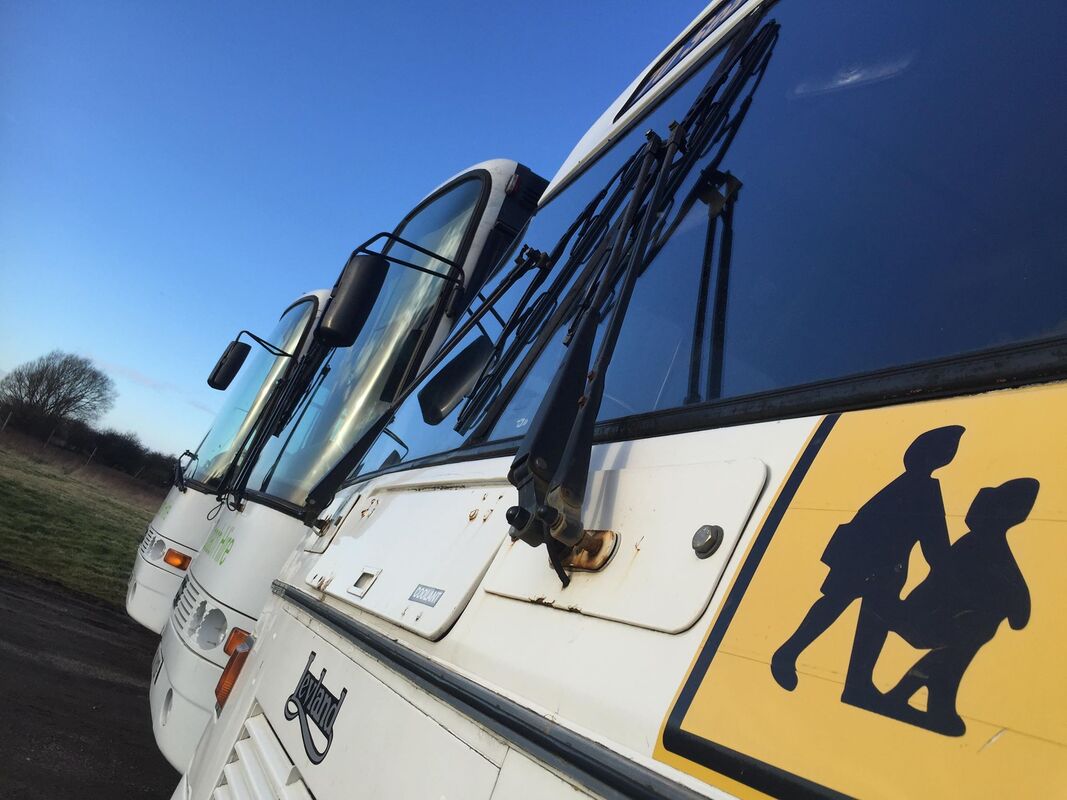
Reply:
x=153, y=583
x=647, y=626
x=414, y=608
x=607, y=129
x=258, y=539
x=455, y=538
x=182, y=523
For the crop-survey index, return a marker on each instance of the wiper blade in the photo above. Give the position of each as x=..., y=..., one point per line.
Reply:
x=551, y=468
x=551, y=449
x=591, y=234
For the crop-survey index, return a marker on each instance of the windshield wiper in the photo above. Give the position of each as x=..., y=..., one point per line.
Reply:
x=591, y=230
x=554, y=451
x=747, y=55
x=551, y=467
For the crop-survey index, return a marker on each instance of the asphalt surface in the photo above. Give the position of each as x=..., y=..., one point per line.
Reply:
x=74, y=719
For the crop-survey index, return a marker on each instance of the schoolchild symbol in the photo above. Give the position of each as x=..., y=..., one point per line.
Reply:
x=973, y=585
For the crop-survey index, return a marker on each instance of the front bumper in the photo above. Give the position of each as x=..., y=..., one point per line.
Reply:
x=181, y=791
x=177, y=696
x=150, y=594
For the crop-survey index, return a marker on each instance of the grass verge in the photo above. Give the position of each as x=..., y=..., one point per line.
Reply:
x=69, y=525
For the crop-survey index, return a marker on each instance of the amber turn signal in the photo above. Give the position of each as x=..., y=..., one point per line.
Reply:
x=234, y=640
x=232, y=671
x=177, y=559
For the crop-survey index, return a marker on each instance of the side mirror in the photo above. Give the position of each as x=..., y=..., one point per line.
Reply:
x=352, y=300
x=445, y=390
x=228, y=364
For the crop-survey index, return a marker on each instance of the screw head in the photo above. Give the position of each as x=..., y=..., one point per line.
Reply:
x=707, y=540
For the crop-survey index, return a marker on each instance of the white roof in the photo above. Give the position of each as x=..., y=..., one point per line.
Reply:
x=607, y=129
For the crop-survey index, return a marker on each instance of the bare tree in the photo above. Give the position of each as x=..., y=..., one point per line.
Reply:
x=57, y=386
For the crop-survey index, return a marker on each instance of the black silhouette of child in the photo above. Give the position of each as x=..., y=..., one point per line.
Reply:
x=868, y=560
x=958, y=608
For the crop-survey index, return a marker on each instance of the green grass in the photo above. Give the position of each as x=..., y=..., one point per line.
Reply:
x=78, y=526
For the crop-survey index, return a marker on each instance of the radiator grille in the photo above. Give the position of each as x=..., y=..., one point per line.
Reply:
x=258, y=768
x=146, y=542
x=186, y=604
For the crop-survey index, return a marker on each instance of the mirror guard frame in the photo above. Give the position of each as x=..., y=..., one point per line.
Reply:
x=270, y=348
x=451, y=276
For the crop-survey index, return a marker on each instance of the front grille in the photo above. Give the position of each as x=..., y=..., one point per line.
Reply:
x=186, y=604
x=146, y=542
x=258, y=767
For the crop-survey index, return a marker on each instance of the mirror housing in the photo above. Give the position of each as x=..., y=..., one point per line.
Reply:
x=228, y=364
x=445, y=390
x=352, y=300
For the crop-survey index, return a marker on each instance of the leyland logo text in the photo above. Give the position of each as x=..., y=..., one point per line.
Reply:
x=313, y=701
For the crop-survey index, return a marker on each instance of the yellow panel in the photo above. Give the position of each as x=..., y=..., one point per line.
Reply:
x=984, y=617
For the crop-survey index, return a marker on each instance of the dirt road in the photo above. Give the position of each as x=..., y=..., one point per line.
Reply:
x=74, y=720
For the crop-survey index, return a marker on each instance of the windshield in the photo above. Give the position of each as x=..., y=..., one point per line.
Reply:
x=246, y=398
x=357, y=384
x=840, y=222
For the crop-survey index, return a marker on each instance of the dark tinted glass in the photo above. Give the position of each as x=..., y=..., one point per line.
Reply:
x=901, y=188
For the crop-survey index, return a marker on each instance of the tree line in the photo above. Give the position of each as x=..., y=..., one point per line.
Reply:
x=58, y=397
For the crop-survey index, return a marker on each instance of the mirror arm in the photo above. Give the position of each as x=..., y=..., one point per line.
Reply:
x=392, y=238
x=274, y=351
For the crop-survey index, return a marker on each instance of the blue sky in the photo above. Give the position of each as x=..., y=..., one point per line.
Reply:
x=171, y=173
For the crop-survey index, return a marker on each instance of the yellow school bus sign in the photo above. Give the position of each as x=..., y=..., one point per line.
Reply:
x=898, y=626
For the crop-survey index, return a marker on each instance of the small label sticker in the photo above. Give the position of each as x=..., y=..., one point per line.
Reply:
x=427, y=595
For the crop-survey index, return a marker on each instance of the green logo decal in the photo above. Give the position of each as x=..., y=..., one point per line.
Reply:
x=220, y=543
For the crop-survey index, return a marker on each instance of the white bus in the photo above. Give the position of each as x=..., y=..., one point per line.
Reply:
x=181, y=526
x=428, y=268
x=761, y=490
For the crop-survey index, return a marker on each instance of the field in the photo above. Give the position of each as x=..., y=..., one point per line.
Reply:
x=76, y=524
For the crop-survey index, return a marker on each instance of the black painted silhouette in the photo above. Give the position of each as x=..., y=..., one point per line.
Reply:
x=958, y=608
x=868, y=560
x=973, y=585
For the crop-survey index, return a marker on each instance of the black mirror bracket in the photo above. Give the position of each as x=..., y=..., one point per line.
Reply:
x=270, y=348
x=454, y=274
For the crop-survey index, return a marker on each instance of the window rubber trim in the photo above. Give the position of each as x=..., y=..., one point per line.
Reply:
x=1009, y=367
x=271, y=501
x=593, y=766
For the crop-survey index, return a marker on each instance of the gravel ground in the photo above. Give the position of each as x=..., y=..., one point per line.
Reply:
x=74, y=687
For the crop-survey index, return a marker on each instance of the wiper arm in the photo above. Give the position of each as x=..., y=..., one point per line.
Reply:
x=303, y=407
x=593, y=238
x=179, y=469
x=557, y=447
x=551, y=468
x=747, y=53
x=721, y=195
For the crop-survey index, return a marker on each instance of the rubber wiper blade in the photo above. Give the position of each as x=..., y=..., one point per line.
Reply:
x=549, y=446
x=590, y=231
x=551, y=468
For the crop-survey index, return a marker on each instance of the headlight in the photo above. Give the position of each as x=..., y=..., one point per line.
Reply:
x=211, y=630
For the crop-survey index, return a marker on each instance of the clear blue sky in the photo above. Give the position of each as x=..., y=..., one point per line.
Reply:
x=173, y=172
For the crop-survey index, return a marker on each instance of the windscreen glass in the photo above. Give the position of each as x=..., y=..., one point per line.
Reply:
x=883, y=184
x=244, y=400
x=357, y=384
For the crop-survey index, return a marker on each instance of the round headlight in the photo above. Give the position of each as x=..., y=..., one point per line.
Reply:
x=212, y=629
